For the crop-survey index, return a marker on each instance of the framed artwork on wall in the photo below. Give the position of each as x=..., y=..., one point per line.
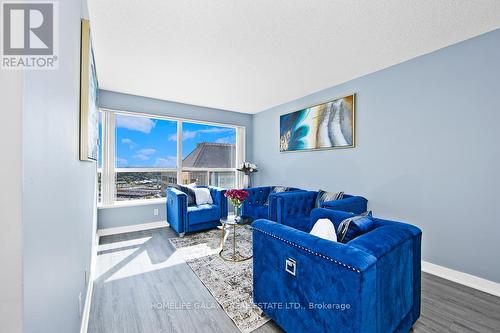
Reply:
x=328, y=125
x=89, y=94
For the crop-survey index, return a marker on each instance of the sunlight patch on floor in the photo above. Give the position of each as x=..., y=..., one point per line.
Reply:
x=136, y=260
x=122, y=244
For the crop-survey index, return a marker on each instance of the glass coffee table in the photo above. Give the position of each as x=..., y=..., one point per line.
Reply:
x=232, y=222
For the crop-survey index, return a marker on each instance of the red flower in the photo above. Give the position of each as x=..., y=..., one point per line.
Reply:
x=236, y=195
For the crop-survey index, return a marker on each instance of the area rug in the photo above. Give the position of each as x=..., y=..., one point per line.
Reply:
x=229, y=282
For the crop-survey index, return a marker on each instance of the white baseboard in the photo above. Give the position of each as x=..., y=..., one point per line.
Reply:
x=465, y=279
x=84, y=326
x=132, y=228
x=86, y=309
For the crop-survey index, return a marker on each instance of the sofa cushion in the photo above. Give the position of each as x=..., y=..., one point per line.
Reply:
x=299, y=222
x=191, y=197
x=325, y=229
x=203, y=196
x=355, y=226
x=257, y=212
x=327, y=196
x=203, y=213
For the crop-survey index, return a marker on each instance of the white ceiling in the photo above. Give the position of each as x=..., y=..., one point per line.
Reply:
x=248, y=56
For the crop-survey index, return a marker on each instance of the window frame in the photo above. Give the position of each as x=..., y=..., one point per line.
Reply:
x=109, y=170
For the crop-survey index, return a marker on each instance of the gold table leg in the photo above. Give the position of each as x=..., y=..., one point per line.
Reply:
x=233, y=258
x=222, y=237
x=234, y=242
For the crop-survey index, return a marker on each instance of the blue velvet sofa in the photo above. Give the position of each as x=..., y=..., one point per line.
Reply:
x=185, y=219
x=254, y=205
x=294, y=208
x=368, y=285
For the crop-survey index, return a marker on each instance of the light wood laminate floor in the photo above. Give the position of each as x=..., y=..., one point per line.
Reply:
x=141, y=285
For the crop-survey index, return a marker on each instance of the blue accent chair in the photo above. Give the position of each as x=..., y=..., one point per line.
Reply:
x=185, y=219
x=370, y=284
x=254, y=204
x=294, y=208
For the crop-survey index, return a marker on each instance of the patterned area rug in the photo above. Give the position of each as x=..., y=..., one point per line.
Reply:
x=229, y=282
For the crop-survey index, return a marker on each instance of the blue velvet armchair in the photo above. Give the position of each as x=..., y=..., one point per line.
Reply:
x=370, y=284
x=254, y=205
x=185, y=219
x=294, y=208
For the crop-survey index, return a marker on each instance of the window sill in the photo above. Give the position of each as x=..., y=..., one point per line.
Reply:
x=133, y=203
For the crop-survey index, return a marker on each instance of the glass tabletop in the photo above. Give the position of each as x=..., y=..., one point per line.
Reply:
x=232, y=220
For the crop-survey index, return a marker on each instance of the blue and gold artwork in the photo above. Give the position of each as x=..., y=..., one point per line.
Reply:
x=324, y=126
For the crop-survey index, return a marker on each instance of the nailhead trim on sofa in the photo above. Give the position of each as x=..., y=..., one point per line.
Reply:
x=306, y=249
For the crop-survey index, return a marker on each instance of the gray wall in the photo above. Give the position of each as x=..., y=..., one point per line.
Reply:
x=11, y=293
x=118, y=217
x=121, y=216
x=427, y=151
x=58, y=189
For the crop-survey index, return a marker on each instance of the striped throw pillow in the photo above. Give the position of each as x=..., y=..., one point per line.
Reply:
x=324, y=196
x=355, y=226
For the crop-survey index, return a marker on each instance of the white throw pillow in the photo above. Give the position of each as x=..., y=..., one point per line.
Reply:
x=202, y=195
x=323, y=228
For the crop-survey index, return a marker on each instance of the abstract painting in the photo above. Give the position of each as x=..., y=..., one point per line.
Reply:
x=89, y=92
x=328, y=125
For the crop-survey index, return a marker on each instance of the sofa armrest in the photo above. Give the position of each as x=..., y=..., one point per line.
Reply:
x=273, y=202
x=177, y=209
x=294, y=203
x=397, y=247
x=218, y=197
x=352, y=204
x=415, y=231
x=325, y=273
x=382, y=240
x=217, y=194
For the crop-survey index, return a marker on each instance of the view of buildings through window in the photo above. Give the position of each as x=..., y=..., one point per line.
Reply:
x=146, y=155
x=206, y=152
x=145, y=150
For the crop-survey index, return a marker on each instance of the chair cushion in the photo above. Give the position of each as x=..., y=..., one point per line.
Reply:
x=257, y=212
x=203, y=213
x=203, y=196
x=191, y=197
x=324, y=196
x=325, y=229
x=299, y=222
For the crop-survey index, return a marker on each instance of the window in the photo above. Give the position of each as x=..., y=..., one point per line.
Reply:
x=143, y=155
x=145, y=142
x=208, y=155
x=146, y=156
x=99, y=160
x=143, y=185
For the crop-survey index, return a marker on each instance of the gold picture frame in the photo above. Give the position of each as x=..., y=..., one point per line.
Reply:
x=89, y=98
x=321, y=126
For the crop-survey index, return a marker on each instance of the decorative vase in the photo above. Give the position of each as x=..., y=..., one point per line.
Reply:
x=247, y=180
x=237, y=212
x=236, y=198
